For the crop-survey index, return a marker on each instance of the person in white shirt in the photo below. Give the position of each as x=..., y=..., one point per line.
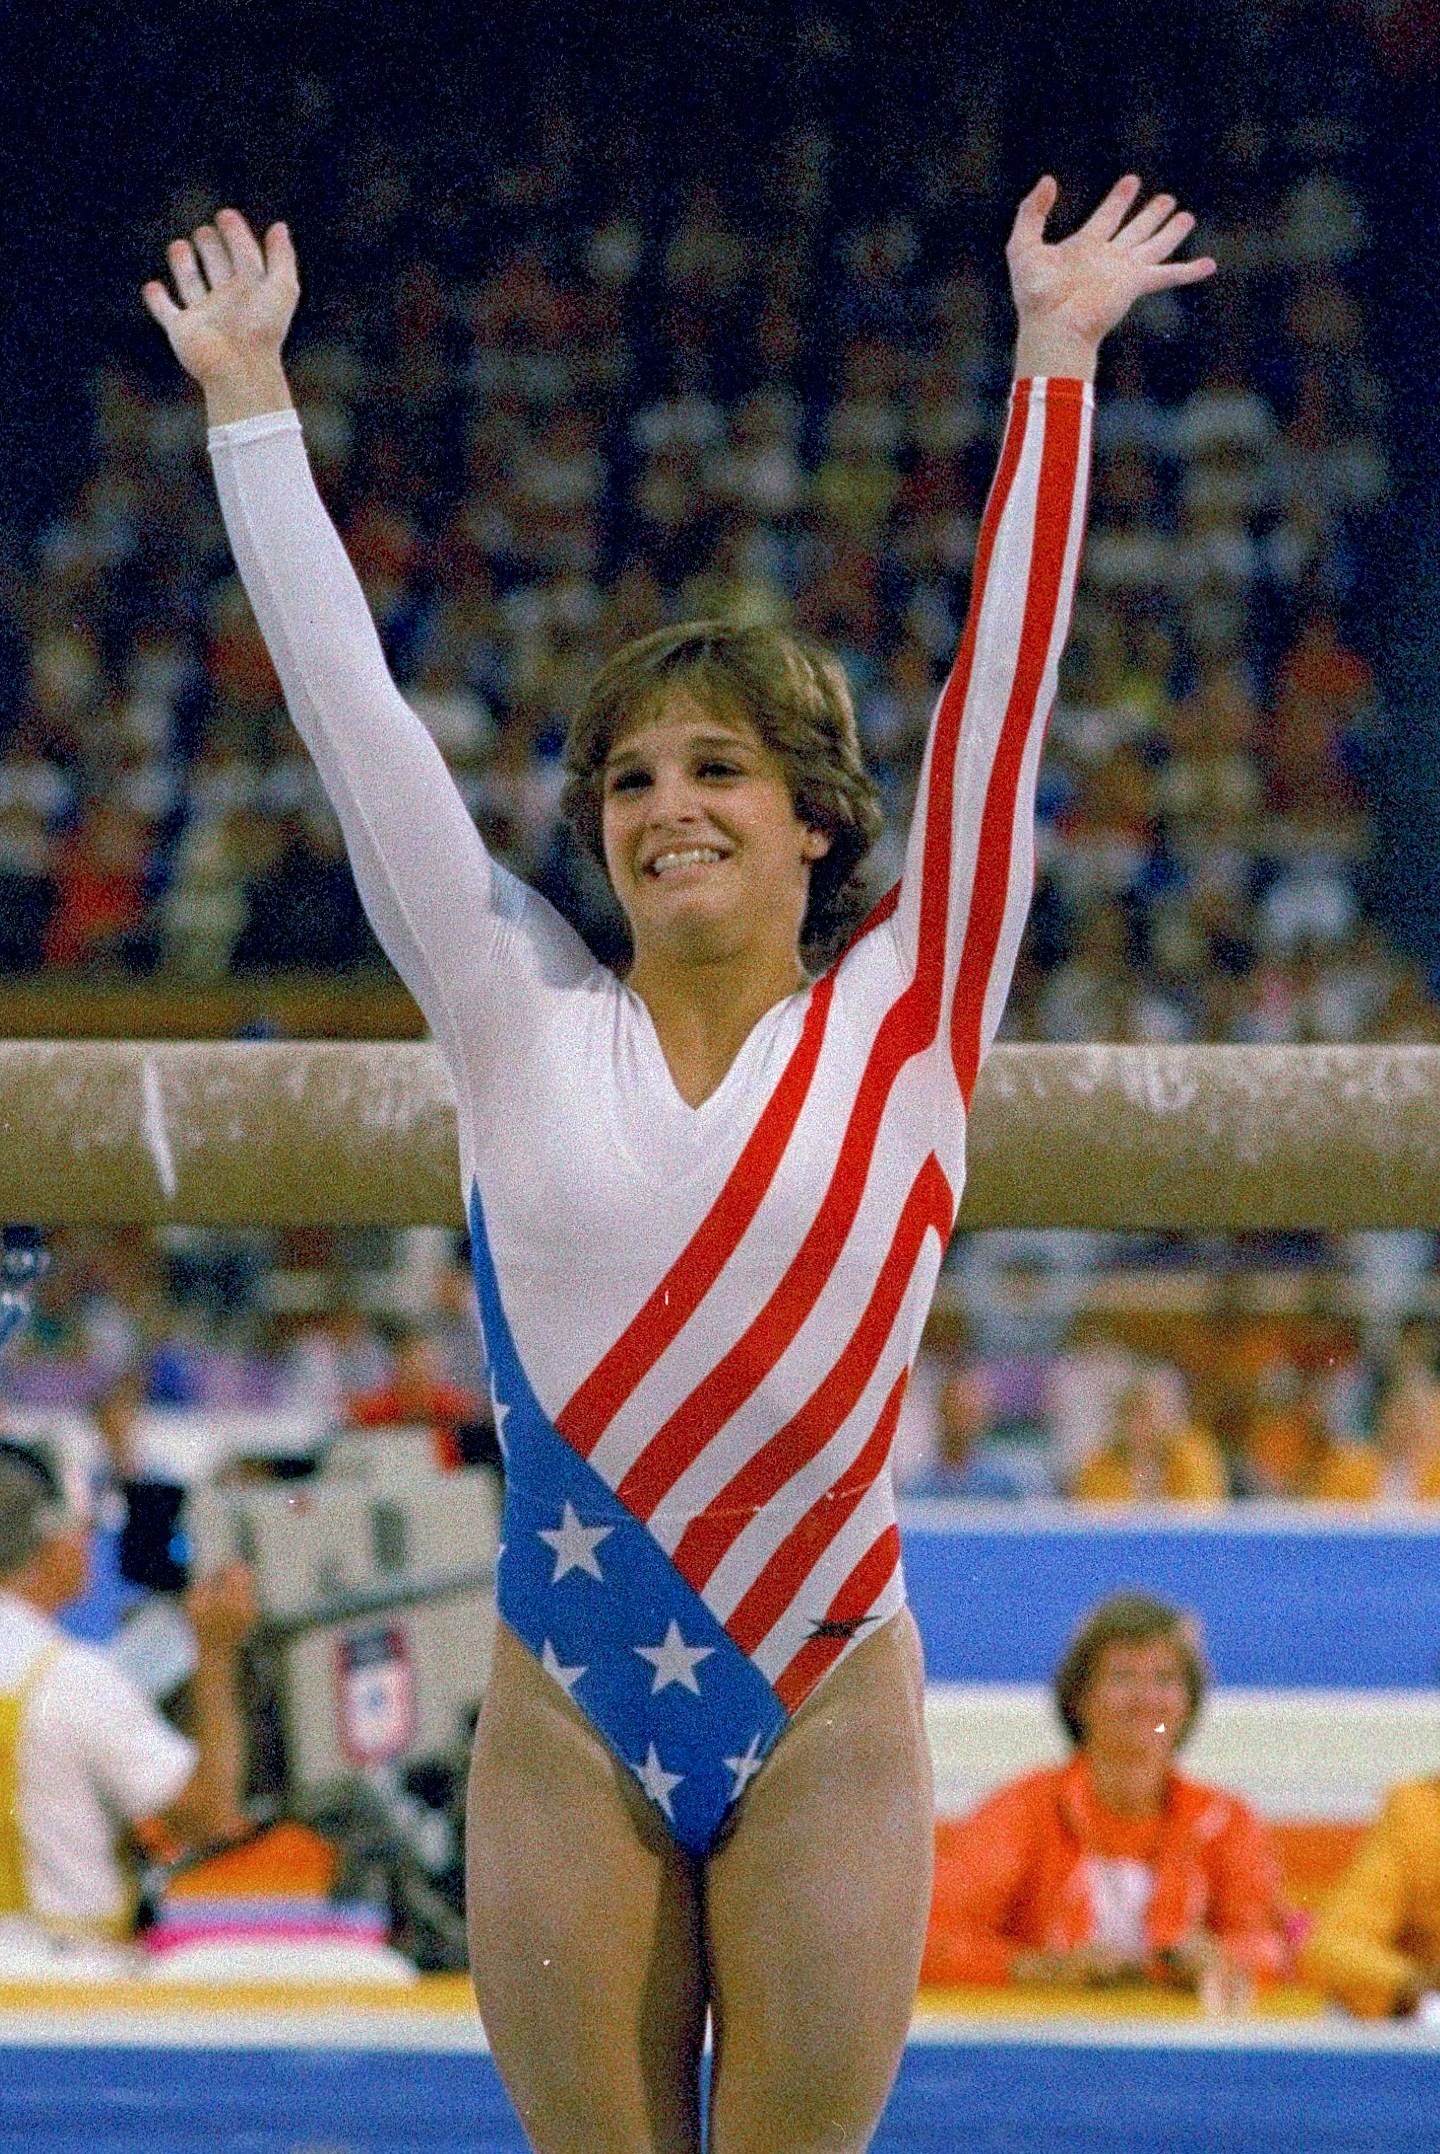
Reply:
x=83, y=1752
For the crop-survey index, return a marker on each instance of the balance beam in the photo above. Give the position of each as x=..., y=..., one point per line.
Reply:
x=300, y=1134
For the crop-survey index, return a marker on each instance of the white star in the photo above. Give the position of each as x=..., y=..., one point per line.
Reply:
x=500, y=1410
x=674, y=1661
x=745, y=1768
x=567, y=1678
x=657, y=1783
x=575, y=1545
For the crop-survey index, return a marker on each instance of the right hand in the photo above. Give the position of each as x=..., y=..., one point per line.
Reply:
x=236, y=300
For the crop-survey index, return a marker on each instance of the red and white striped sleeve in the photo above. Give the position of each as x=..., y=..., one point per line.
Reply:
x=962, y=901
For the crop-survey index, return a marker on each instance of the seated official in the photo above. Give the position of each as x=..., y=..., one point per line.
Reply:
x=1156, y=1453
x=1114, y=1867
x=1407, y=1431
x=83, y=1753
x=1375, y=1947
x=419, y=1393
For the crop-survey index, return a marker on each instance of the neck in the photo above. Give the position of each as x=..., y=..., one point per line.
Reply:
x=704, y=1010
x=1131, y=1784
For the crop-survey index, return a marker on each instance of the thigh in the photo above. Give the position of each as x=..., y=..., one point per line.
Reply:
x=585, y=1934
x=816, y=1908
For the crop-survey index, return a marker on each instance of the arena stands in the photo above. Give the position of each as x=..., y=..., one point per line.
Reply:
x=564, y=381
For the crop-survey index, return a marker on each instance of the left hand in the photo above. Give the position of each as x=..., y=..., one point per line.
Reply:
x=1070, y=293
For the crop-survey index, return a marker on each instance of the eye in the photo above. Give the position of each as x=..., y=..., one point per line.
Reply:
x=716, y=766
x=629, y=781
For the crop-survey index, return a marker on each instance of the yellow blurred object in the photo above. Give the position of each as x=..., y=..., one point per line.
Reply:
x=1194, y=1472
x=14, y=1888
x=1274, y=2000
x=1378, y=1931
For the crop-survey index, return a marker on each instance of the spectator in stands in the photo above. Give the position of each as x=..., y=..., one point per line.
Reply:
x=970, y=1463
x=99, y=911
x=303, y=909
x=82, y=1752
x=28, y=889
x=1156, y=1452
x=1114, y=1867
x=1407, y=1424
x=418, y=1393
x=1375, y=1947
x=1292, y=1450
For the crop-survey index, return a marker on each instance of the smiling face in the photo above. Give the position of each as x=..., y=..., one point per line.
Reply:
x=703, y=846
x=1137, y=1702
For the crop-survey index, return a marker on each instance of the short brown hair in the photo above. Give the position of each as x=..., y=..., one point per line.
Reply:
x=796, y=697
x=1128, y=1619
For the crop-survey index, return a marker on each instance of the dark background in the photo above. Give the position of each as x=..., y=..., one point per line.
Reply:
x=113, y=122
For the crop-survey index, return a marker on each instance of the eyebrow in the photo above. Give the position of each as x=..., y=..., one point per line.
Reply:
x=705, y=741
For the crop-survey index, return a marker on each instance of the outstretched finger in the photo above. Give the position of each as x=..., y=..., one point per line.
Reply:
x=244, y=247
x=160, y=304
x=1162, y=275
x=1106, y=220
x=1172, y=234
x=280, y=254
x=1147, y=220
x=185, y=269
x=215, y=255
x=1029, y=225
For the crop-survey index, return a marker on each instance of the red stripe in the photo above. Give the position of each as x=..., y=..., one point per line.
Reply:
x=930, y=1205
x=908, y=1028
x=1059, y=459
x=856, y=1597
x=762, y=1606
x=879, y=912
x=593, y=1407
x=739, y=1373
x=944, y=750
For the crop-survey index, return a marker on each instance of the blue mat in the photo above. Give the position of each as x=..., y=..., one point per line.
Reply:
x=967, y=2098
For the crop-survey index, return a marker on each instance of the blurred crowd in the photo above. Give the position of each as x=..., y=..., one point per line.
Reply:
x=554, y=404
x=1102, y=1368
x=563, y=409
x=1042, y=1376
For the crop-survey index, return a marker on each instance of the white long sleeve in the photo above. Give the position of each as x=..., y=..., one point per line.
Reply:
x=969, y=868
x=475, y=947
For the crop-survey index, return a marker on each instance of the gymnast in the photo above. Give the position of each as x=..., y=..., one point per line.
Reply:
x=708, y=1201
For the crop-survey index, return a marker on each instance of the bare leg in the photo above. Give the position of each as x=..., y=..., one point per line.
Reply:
x=585, y=1936
x=816, y=1908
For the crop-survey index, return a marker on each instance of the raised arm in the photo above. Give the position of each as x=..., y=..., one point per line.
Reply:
x=463, y=935
x=969, y=867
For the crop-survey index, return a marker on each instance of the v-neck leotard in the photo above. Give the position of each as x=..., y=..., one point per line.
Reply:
x=699, y=1320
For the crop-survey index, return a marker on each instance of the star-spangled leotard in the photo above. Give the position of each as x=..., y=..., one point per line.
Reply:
x=699, y=1320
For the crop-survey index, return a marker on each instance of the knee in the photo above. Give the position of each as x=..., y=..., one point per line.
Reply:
x=826, y=2101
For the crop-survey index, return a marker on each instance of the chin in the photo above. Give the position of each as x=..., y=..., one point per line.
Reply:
x=699, y=932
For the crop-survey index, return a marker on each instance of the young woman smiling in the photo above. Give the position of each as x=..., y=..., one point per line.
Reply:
x=708, y=1203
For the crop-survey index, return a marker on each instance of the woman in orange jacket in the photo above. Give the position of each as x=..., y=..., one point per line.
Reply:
x=1114, y=1867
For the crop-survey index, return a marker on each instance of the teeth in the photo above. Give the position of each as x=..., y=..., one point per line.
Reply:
x=691, y=857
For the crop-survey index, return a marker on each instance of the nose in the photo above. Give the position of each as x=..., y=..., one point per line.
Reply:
x=671, y=797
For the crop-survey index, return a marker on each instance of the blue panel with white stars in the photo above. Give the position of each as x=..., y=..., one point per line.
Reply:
x=605, y=1611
